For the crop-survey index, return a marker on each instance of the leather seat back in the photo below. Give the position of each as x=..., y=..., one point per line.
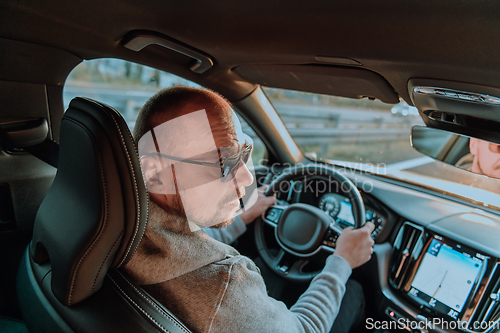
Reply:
x=90, y=222
x=95, y=213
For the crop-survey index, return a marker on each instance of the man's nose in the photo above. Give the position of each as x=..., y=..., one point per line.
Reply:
x=243, y=176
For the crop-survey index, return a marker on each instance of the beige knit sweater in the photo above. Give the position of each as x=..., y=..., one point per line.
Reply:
x=212, y=288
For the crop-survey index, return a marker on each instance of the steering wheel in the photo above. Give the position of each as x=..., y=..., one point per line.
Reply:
x=303, y=232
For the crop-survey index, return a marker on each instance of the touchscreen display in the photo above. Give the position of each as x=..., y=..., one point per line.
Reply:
x=446, y=276
x=345, y=214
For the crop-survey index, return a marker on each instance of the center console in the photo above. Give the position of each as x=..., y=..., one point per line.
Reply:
x=446, y=279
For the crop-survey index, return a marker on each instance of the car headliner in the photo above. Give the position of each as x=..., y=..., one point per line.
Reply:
x=400, y=40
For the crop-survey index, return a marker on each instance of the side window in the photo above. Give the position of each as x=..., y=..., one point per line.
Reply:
x=259, y=154
x=122, y=84
x=127, y=86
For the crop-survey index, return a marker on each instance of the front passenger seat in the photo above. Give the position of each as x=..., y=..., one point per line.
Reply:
x=87, y=227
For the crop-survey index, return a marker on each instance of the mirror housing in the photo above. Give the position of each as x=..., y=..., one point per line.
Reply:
x=463, y=108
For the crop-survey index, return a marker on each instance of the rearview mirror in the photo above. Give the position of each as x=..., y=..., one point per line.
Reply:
x=467, y=153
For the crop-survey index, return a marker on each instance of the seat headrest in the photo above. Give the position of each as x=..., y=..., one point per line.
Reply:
x=94, y=215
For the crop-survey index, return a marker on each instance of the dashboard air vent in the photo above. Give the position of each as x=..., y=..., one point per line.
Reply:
x=489, y=311
x=407, y=247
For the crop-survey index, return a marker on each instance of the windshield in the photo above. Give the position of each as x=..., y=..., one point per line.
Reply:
x=373, y=137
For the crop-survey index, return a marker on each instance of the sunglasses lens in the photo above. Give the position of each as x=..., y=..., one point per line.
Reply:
x=232, y=164
x=246, y=155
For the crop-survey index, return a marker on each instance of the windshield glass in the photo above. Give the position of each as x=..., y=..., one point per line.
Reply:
x=374, y=137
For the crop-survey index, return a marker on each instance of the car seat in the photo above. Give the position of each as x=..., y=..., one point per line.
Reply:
x=87, y=227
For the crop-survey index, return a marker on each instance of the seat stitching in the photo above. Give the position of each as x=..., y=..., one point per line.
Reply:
x=105, y=259
x=138, y=306
x=166, y=314
x=136, y=190
x=105, y=218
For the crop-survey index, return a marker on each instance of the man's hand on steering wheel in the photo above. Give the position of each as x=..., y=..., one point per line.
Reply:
x=303, y=233
x=356, y=245
x=259, y=207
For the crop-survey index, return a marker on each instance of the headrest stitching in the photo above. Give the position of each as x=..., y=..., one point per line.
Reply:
x=136, y=191
x=105, y=259
x=104, y=226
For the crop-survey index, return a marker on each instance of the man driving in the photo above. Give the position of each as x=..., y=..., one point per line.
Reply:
x=195, y=164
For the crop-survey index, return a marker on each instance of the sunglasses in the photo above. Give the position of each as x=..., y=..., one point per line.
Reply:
x=228, y=165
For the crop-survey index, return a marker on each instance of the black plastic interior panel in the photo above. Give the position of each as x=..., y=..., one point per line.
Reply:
x=56, y=107
x=21, y=133
x=333, y=80
x=28, y=180
x=468, y=117
x=463, y=124
x=444, y=103
x=21, y=61
x=441, y=102
x=7, y=218
x=23, y=100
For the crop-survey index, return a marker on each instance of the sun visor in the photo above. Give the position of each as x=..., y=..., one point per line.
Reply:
x=331, y=80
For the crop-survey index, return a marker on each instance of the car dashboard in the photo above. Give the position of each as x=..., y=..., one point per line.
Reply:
x=437, y=257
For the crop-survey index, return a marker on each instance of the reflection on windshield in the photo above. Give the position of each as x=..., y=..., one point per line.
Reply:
x=345, y=129
x=374, y=137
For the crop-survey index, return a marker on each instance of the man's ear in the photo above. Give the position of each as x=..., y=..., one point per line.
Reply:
x=158, y=177
x=473, y=143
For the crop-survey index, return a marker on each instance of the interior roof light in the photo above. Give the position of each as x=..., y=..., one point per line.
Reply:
x=458, y=95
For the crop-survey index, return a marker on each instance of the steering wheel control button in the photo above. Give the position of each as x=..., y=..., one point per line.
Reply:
x=283, y=269
x=284, y=264
x=273, y=214
x=331, y=236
